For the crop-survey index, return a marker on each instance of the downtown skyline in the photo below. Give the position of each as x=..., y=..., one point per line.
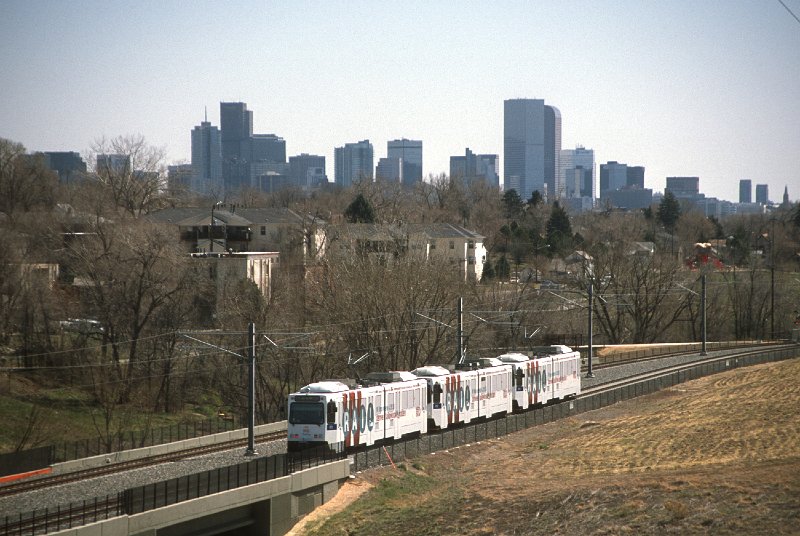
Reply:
x=682, y=89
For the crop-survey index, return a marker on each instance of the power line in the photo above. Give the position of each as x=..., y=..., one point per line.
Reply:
x=790, y=11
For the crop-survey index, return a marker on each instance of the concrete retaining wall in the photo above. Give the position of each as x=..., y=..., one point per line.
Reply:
x=271, y=507
x=166, y=448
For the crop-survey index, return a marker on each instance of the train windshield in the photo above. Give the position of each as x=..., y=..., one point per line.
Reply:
x=307, y=413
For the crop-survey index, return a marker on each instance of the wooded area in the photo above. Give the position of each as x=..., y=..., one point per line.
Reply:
x=87, y=251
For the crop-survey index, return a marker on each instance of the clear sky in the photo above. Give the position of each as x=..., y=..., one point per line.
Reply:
x=707, y=88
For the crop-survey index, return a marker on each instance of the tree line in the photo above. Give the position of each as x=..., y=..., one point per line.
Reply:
x=133, y=278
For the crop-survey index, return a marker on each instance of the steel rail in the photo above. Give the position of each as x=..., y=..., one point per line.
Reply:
x=56, y=480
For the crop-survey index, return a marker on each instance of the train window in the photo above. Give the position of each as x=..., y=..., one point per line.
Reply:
x=437, y=393
x=518, y=376
x=306, y=413
x=331, y=411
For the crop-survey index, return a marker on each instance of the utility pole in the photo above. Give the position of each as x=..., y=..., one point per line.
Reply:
x=590, y=373
x=703, y=312
x=772, y=277
x=251, y=381
x=251, y=390
x=460, y=336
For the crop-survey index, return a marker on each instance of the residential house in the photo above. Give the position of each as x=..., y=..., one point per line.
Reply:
x=464, y=248
x=227, y=268
x=223, y=229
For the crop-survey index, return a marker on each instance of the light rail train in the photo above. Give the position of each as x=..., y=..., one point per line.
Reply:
x=391, y=405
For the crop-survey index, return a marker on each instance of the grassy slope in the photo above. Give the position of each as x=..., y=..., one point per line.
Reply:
x=718, y=455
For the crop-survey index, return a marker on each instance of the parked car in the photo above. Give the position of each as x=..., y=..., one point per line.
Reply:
x=86, y=326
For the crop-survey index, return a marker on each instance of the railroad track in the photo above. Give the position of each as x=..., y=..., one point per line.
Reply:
x=600, y=363
x=655, y=373
x=643, y=377
x=47, y=481
x=114, y=505
x=56, y=480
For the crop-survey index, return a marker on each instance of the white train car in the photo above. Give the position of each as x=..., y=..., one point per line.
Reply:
x=564, y=375
x=528, y=379
x=449, y=395
x=553, y=374
x=459, y=396
x=331, y=413
x=494, y=395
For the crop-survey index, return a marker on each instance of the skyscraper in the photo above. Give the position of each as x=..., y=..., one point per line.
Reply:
x=762, y=194
x=109, y=164
x=613, y=176
x=268, y=148
x=236, y=125
x=635, y=177
x=475, y=167
x=684, y=187
x=745, y=191
x=389, y=169
x=179, y=178
x=532, y=147
x=410, y=151
x=353, y=163
x=69, y=165
x=307, y=170
x=206, y=159
x=576, y=184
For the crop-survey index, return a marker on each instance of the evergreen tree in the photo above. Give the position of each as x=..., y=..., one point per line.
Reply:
x=503, y=269
x=559, y=229
x=669, y=211
x=719, y=231
x=360, y=211
x=512, y=203
x=536, y=199
x=796, y=218
x=488, y=271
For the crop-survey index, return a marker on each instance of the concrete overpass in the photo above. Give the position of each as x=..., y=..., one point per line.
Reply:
x=266, y=508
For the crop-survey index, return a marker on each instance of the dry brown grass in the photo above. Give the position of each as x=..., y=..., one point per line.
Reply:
x=719, y=455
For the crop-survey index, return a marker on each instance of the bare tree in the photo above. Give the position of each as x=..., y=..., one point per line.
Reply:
x=130, y=274
x=132, y=171
x=384, y=307
x=25, y=180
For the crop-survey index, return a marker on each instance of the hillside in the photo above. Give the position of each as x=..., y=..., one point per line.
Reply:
x=719, y=455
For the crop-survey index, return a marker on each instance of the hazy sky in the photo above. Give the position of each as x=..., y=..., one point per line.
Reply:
x=702, y=87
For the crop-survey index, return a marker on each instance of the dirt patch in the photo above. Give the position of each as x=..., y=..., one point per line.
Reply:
x=719, y=455
x=348, y=494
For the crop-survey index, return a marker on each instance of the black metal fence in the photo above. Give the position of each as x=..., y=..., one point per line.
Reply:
x=38, y=458
x=176, y=490
x=75, y=514
x=158, y=495
x=75, y=450
x=481, y=431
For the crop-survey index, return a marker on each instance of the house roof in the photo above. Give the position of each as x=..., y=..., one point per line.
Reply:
x=443, y=230
x=377, y=231
x=274, y=216
x=240, y=217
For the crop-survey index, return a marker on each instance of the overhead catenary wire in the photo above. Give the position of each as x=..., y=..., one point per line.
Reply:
x=790, y=11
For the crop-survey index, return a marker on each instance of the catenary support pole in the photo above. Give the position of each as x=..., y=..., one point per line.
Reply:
x=460, y=315
x=703, y=312
x=590, y=373
x=251, y=389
